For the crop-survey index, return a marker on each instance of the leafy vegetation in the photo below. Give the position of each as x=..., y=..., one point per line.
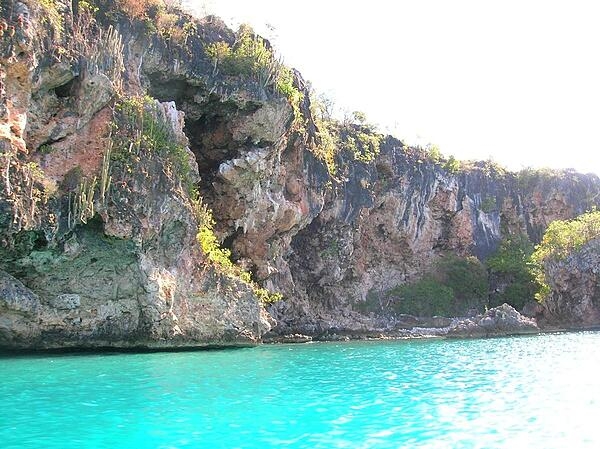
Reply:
x=510, y=267
x=327, y=145
x=489, y=168
x=529, y=177
x=435, y=155
x=221, y=257
x=251, y=56
x=562, y=238
x=466, y=277
x=426, y=297
x=213, y=251
x=363, y=143
x=488, y=204
x=162, y=17
x=453, y=286
x=141, y=128
x=52, y=17
x=140, y=9
x=353, y=135
x=45, y=148
x=452, y=165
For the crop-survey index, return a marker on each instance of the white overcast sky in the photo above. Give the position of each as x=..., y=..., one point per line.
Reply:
x=514, y=80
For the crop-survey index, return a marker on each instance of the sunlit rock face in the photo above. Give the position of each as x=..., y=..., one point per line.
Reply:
x=386, y=224
x=131, y=273
x=574, y=298
x=93, y=255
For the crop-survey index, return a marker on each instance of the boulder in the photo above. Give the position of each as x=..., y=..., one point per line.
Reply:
x=501, y=320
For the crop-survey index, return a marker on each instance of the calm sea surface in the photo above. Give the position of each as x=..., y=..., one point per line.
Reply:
x=527, y=392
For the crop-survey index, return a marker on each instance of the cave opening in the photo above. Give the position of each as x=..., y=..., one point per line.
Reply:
x=209, y=119
x=210, y=138
x=210, y=122
x=66, y=90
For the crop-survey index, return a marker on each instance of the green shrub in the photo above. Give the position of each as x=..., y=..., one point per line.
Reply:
x=327, y=145
x=435, y=155
x=250, y=56
x=267, y=297
x=511, y=265
x=368, y=147
x=528, y=178
x=512, y=256
x=52, y=17
x=360, y=117
x=488, y=205
x=452, y=165
x=45, y=149
x=466, y=277
x=491, y=169
x=425, y=297
x=213, y=251
x=453, y=286
x=139, y=127
x=562, y=238
x=208, y=240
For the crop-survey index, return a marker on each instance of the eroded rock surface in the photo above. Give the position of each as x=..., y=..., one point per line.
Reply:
x=501, y=320
x=123, y=267
x=95, y=255
x=574, y=298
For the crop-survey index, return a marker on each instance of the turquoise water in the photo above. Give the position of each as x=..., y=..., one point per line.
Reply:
x=530, y=392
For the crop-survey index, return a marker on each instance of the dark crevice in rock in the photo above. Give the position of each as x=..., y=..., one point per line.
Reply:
x=44, y=145
x=173, y=89
x=211, y=140
x=209, y=123
x=66, y=90
x=229, y=243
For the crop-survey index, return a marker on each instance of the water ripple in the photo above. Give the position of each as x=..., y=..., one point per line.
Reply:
x=534, y=392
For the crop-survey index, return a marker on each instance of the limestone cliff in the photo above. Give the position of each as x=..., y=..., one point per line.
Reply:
x=574, y=300
x=99, y=207
x=98, y=228
x=387, y=222
x=567, y=263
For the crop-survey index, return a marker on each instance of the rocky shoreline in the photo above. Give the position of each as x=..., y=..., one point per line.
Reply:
x=496, y=322
x=502, y=321
x=499, y=321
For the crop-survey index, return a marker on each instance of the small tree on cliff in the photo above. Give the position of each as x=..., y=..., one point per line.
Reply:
x=510, y=273
x=561, y=239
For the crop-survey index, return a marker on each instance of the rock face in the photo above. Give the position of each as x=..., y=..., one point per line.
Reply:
x=574, y=299
x=98, y=226
x=93, y=253
x=367, y=240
